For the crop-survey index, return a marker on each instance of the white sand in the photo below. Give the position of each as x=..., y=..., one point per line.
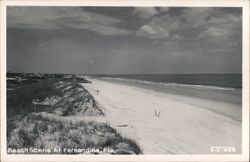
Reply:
x=183, y=126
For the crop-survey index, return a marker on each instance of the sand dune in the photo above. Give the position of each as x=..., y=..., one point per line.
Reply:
x=167, y=123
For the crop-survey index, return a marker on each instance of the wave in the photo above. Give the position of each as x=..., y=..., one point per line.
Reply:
x=196, y=86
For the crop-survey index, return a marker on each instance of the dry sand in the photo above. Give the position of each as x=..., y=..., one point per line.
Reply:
x=186, y=124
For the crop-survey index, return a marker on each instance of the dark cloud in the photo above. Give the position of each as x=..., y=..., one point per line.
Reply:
x=124, y=40
x=63, y=18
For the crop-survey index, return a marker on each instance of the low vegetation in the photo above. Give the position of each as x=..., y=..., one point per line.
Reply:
x=37, y=132
x=43, y=113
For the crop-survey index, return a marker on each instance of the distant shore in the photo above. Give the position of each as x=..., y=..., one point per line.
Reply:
x=171, y=119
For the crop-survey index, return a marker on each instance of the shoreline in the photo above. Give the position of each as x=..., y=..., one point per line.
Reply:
x=185, y=122
x=182, y=89
x=209, y=86
x=199, y=96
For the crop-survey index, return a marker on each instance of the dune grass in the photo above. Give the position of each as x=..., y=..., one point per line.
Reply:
x=19, y=100
x=41, y=125
x=38, y=132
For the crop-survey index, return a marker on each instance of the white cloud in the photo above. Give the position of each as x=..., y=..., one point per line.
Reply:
x=197, y=17
x=222, y=26
x=61, y=18
x=145, y=12
x=226, y=19
x=176, y=36
x=153, y=31
x=160, y=27
x=206, y=22
x=214, y=31
x=149, y=12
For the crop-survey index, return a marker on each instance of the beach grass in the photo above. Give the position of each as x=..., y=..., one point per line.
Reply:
x=51, y=113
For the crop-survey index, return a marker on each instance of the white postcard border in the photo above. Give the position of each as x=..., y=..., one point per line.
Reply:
x=187, y=3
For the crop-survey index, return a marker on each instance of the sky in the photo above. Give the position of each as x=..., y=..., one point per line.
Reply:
x=124, y=40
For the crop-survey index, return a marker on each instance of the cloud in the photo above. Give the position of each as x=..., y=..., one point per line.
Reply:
x=221, y=50
x=214, y=31
x=160, y=27
x=215, y=22
x=197, y=17
x=153, y=32
x=203, y=22
x=145, y=12
x=163, y=9
x=149, y=12
x=63, y=18
x=176, y=36
x=223, y=26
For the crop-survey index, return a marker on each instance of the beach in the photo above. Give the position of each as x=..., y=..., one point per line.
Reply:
x=172, y=119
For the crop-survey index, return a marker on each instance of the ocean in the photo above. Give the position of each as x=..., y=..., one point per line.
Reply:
x=217, y=80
